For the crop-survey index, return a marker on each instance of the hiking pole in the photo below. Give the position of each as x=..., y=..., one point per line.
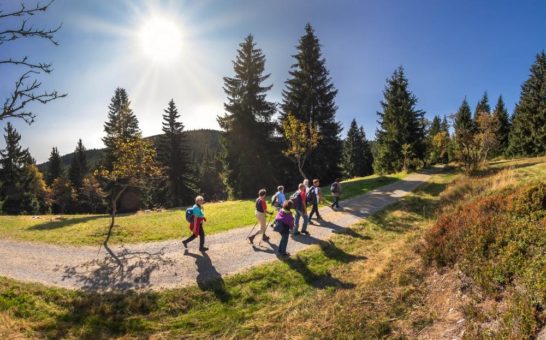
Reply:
x=251, y=230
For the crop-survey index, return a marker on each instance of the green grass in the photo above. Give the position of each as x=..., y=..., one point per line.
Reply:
x=153, y=226
x=256, y=303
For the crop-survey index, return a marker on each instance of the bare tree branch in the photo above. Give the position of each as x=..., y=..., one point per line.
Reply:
x=41, y=66
x=26, y=89
x=23, y=94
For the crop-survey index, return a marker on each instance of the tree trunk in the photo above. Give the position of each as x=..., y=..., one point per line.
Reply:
x=300, y=165
x=114, y=210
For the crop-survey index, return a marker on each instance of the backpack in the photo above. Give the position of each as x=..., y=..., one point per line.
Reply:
x=275, y=200
x=294, y=196
x=189, y=214
x=311, y=195
x=334, y=188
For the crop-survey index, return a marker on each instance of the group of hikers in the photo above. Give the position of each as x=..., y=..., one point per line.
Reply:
x=285, y=223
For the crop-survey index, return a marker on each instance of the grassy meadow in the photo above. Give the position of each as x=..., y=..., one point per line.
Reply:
x=153, y=226
x=369, y=282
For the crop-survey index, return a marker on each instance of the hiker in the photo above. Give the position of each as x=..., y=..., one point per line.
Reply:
x=279, y=198
x=314, y=196
x=284, y=222
x=335, y=188
x=306, y=183
x=299, y=198
x=261, y=211
x=196, y=226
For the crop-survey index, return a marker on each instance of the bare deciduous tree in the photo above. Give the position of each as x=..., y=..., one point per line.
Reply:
x=27, y=88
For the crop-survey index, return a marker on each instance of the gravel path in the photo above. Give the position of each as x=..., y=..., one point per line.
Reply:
x=166, y=264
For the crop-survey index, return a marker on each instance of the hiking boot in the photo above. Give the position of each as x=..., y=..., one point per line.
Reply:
x=203, y=248
x=296, y=233
x=251, y=239
x=284, y=255
x=185, y=244
x=265, y=238
x=306, y=233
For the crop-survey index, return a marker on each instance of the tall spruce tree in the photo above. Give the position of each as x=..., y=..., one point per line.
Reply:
x=121, y=124
x=482, y=106
x=13, y=160
x=400, y=123
x=435, y=126
x=248, y=142
x=78, y=166
x=310, y=96
x=465, y=131
x=173, y=153
x=503, y=130
x=357, y=159
x=528, y=132
x=54, y=167
x=444, y=125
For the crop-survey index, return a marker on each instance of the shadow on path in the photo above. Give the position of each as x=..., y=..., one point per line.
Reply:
x=208, y=278
x=121, y=270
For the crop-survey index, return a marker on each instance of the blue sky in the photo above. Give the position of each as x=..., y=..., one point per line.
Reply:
x=450, y=49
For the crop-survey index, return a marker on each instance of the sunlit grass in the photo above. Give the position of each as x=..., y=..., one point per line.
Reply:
x=153, y=226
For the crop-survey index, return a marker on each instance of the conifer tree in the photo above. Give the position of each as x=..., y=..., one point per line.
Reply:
x=503, y=131
x=78, y=167
x=528, y=132
x=248, y=142
x=310, y=96
x=121, y=124
x=444, y=125
x=357, y=158
x=173, y=153
x=400, y=123
x=465, y=130
x=482, y=106
x=13, y=160
x=55, y=166
x=435, y=126
x=434, y=129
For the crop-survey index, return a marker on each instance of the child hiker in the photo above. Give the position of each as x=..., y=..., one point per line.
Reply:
x=196, y=226
x=261, y=210
x=284, y=222
x=278, y=199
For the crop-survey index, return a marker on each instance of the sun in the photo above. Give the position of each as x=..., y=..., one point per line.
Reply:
x=160, y=39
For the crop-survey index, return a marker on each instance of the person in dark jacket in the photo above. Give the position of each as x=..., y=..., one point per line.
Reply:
x=284, y=223
x=300, y=204
x=315, y=195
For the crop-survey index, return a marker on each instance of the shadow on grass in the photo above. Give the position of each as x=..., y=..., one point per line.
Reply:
x=208, y=278
x=121, y=270
x=65, y=222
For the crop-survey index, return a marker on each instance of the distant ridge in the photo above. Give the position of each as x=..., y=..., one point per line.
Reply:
x=198, y=141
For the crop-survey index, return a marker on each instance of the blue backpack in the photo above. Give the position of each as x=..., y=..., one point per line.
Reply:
x=189, y=214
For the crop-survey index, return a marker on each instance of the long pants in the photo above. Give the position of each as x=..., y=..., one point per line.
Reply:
x=284, y=242
x=336, y=202
x=303, y=214
x=314, y=210
x=201, y=237
x=261, y=219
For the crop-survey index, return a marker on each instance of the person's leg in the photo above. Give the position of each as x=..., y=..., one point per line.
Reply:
x=337, y=202
x=296, y=222
x=189, y=239
x=201, y=237
x=263, y=225
x=283, y=243
x=304, y=223
x=312, y=212
x=315, y=208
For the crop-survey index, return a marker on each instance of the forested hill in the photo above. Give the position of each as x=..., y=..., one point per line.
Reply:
x=199, y=142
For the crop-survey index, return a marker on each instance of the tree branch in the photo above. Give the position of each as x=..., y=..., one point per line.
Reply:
x=41, y=66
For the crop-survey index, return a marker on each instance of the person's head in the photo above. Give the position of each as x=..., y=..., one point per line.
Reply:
x=280, y=188
x=301, y=186
x=287, y=205
x=262, y=192
x=306, y=182
x=337, y=179
x=316, y=182
x=199, y=200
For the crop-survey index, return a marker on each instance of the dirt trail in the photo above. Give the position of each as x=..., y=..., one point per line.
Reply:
x=166, y=264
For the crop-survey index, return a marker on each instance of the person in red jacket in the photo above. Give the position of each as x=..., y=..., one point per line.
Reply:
x=196, y=226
